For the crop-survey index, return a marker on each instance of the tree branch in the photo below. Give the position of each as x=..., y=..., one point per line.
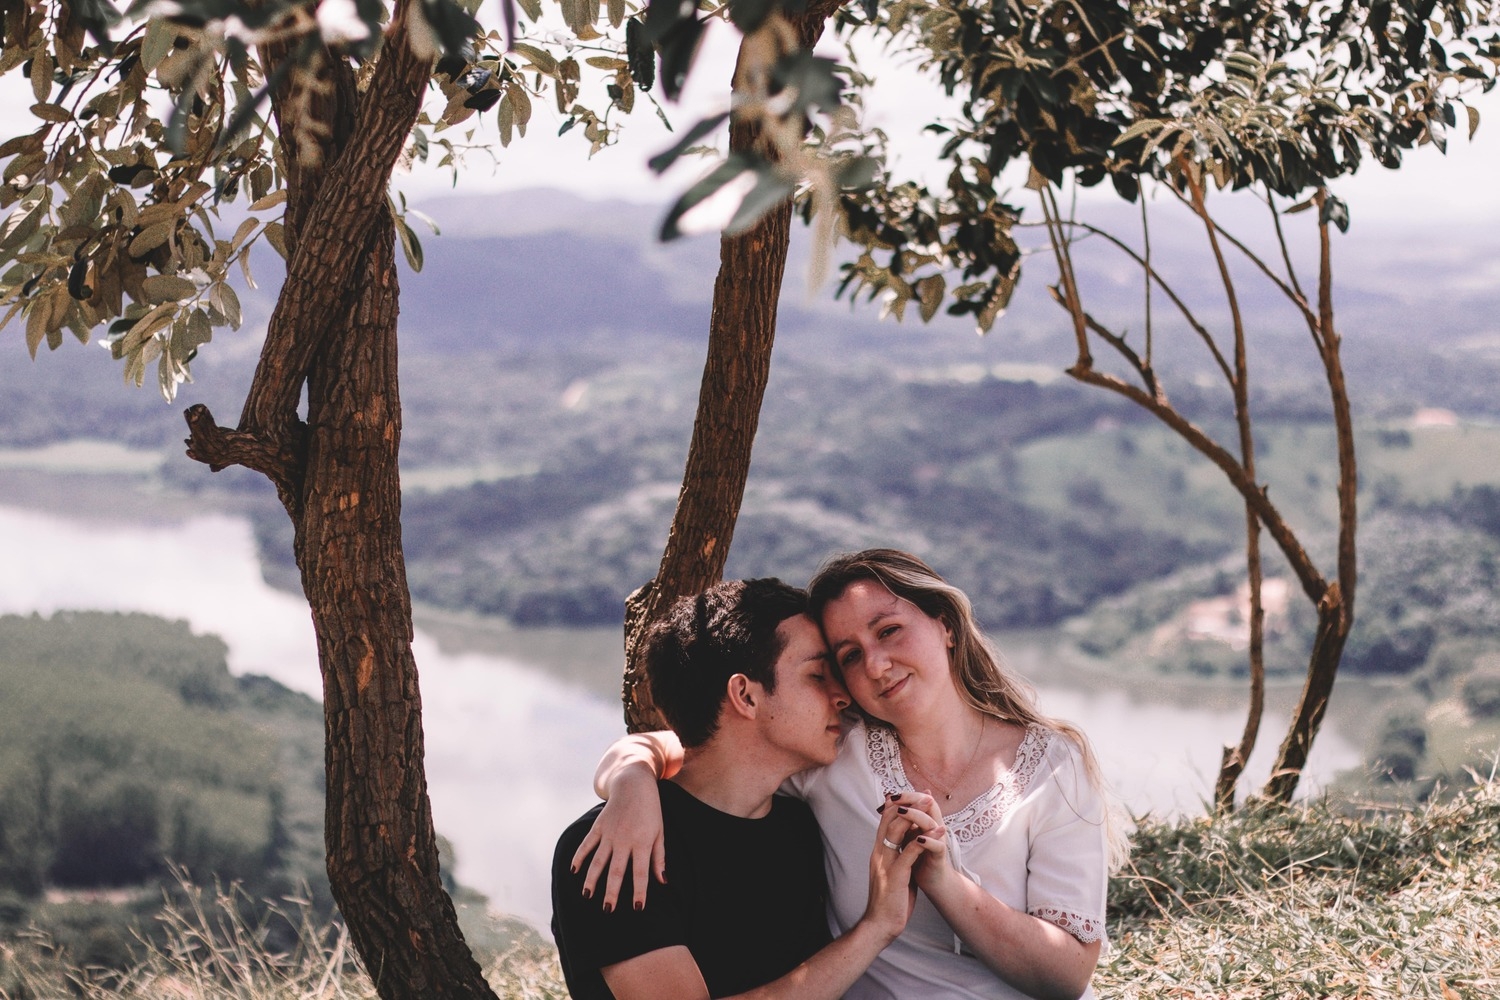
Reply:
x=337, y=227
x=219, y=447
x=1302, y=565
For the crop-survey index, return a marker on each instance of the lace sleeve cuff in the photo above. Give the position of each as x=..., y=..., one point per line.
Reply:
x=1085, y=929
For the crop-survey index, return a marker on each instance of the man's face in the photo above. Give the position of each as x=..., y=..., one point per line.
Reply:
x=801, y=716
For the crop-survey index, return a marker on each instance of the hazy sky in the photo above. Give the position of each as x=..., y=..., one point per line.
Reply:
x=1460, y=187
x=1463, y=186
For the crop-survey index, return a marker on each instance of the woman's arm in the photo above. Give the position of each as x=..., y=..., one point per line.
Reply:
x=1036, y=957
x=628, y=830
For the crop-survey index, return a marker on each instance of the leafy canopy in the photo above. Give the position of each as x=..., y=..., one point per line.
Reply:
x=1284, y=97
x=150, y=123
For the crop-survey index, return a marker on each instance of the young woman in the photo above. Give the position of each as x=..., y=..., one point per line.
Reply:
x=1012, y=897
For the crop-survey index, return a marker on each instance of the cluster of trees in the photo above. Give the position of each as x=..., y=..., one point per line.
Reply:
x=127, y=747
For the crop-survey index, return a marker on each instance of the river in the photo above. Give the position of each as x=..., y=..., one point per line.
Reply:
x=511, y=747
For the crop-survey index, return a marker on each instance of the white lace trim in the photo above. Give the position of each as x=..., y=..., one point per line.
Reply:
x=974, y=820
x=1086, y=929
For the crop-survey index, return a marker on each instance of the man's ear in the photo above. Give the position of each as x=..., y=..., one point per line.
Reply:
x=743, y=696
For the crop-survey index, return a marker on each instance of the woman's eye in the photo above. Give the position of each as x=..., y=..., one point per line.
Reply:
x=819, y=678
x=889, y=631
x=849, y=658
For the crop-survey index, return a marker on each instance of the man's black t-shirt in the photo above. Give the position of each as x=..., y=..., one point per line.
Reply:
x=746, y=896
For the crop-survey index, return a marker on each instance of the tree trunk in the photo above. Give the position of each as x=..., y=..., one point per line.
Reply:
x=333, y=333
x=1336, y=603
x=742, y=331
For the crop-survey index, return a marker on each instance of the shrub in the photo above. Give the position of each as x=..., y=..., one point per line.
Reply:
x=1400, y=743
x=1481, y=693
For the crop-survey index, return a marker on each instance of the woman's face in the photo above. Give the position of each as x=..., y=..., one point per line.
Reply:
x=893, y=656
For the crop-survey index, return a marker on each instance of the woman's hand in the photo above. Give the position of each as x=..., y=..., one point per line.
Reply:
x=916, y=817
x=900, y=845
x=627, y=832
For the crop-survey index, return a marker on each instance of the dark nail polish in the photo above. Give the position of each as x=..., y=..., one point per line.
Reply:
x=573, y=869
x=880, y=808
x=921, y=840
x=639, y=905
x=588, y=894
x=893, y=796
x=609, y=907
x=901, y=810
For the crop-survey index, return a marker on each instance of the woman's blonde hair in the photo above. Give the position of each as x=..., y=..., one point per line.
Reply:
x=984, y=681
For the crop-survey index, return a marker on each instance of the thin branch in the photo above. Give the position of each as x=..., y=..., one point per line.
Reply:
x=1342, y=418
x=1302, y=565
x=1286, y=257
x=1146, y=238
x=1161, y=283
x=1115, y=340
x=1064, y=257
x=1293, y=292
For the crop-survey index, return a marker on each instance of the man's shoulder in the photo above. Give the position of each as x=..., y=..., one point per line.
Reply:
x=571, y=837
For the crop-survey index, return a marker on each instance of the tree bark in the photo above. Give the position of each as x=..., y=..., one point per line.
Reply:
x=742, y=331
x=333, y=333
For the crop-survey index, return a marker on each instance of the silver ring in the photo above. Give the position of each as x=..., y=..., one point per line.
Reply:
x=894, y=847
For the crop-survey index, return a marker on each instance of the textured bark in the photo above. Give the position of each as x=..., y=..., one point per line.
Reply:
x=333, y=334
x=742, y=331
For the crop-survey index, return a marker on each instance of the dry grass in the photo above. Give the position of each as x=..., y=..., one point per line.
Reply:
x=212, y=952
x=1317, y=901
x=1324, y=900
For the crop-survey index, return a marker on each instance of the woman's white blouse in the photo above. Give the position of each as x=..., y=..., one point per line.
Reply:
x=1036, y=841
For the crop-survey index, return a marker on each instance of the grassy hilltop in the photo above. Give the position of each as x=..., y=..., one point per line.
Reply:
x=1319, y=901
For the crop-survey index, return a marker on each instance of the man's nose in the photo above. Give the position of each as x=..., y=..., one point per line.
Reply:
x=840, y=694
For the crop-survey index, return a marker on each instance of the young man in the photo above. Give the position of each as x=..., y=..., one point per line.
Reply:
x=741, y=673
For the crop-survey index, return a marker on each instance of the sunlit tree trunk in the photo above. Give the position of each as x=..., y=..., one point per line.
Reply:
x=333, y=335
x=742, y=331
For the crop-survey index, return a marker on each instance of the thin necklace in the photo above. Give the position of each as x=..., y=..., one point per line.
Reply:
x=916, y=764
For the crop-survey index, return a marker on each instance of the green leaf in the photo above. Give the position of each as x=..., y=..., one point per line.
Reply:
x=1336, y=212
x=160, y=34
x=543, y=61
x=930, y=294
x=522, y=102
x=150, y=238
x=223, y=297
x=507, y=119
x=770, y=190
x=168, y=288
x=662, y=161
x=410, y=245
x=732, y=169
x=242, y=233
x=51, y=113
x=41, y=75
x=275, y=235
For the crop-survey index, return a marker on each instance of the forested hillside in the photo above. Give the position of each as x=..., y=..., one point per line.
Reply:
x=552, y=352
x=126, y=747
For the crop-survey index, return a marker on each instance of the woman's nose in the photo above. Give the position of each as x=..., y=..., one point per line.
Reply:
x=875, y=663
x=840, y=695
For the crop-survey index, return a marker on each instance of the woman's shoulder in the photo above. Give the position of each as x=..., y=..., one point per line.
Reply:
x=1049, y=750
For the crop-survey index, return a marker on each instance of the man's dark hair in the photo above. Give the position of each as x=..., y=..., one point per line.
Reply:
x=703, y=641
